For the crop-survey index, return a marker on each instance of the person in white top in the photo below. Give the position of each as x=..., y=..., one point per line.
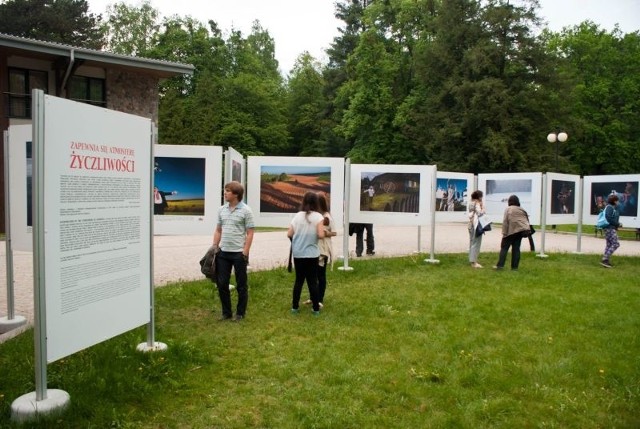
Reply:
x=476, y=209
x=326, y=248
x=306, y=228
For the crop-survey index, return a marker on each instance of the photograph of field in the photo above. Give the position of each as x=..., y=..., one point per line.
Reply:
x=184, y=207
x=282, y=187
x=182, y=181
x=390, y=192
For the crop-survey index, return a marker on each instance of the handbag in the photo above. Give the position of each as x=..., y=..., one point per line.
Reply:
x=480, y=230
x=484, y=222
x=529, y=232
x=602, y=220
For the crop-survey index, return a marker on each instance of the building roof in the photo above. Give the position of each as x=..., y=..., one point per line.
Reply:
x=91, y=57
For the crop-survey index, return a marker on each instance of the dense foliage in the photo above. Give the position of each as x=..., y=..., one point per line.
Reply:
x=468, y=85
x=63, y=21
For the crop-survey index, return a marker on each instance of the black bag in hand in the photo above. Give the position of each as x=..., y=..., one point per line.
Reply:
x=480, y=230
x=528, y=233
x=208, y=263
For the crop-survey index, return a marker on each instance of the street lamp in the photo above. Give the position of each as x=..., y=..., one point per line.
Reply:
x=560, y=137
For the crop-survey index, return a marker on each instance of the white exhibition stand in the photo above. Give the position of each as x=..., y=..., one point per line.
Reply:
x=345, y=219
x=580, y=213
x=11, y=321
x=56, y=139
x=43, y=401
x=434, y=181
x=543, y=222
x=151, y=345
x=28, y=407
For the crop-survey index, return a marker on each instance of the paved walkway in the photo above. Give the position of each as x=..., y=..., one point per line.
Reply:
x=176, y=257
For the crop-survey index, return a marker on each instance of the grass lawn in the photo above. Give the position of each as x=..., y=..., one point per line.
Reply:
x=399, y=344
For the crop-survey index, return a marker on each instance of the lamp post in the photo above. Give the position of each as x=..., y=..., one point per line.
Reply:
x=558, y=138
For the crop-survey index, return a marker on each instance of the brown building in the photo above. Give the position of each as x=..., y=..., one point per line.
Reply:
x=118, y=82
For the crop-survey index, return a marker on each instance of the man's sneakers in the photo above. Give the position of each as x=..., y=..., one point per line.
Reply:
x=605, y=263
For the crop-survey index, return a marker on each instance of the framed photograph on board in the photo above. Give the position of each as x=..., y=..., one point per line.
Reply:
x=390, y=194
x=20, y=186
x=563, y=193
x=187, y=188
x=277, y=185
x=234, y=167
x=498, y=187
x=453, y=193
x=597, y=190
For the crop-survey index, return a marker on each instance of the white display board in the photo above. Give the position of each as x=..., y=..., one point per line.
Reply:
x=188, y=180
x=391, y=194
x=499, y=186
x=598, y=188
x=453, y=194
x=277, y=184
x=235, y=167
x=20, y=176
x=563, y=199
x=96, y=213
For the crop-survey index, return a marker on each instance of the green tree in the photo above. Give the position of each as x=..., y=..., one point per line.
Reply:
x=351, y=12
x=131, y=30
x=368, y=119
x=190, y=107
x=305, y=105
x=476, y=98
x=380, y=75
x=253, y=120
x=253, y=106
x=604, y=97
x=62, y=21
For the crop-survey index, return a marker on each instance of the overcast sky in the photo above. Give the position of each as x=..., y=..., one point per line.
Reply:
x=299, y=25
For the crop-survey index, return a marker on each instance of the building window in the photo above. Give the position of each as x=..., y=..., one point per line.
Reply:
x=87, y=90
x=21, y=82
